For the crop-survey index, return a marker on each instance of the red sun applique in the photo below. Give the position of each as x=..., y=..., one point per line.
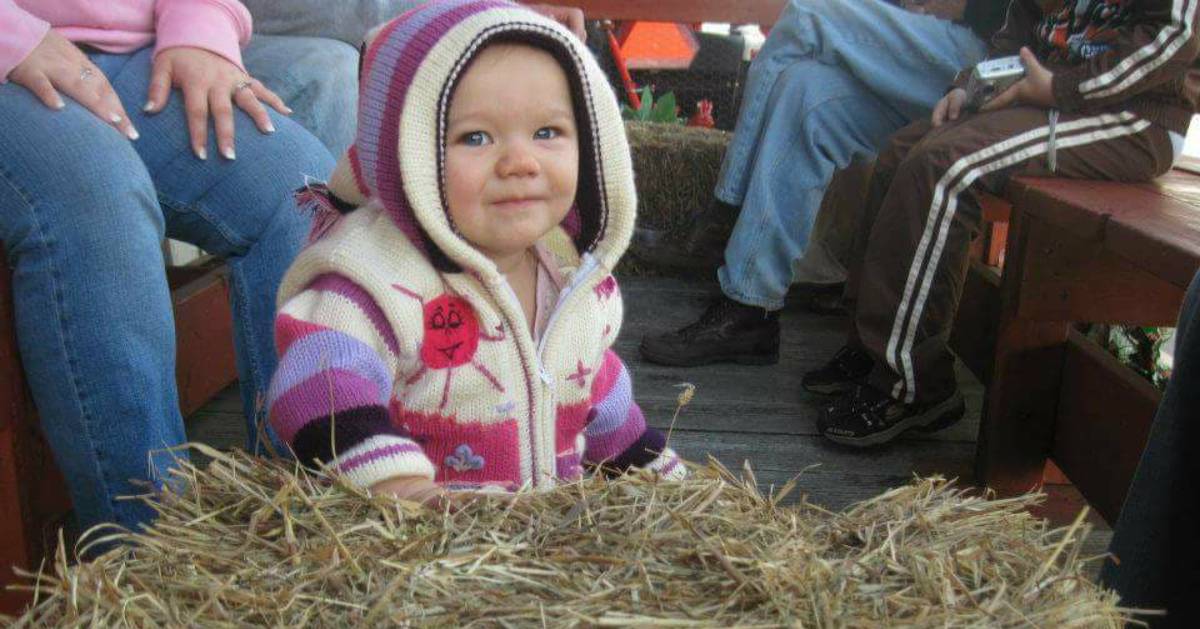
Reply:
x=451, y=332
x=451, y=338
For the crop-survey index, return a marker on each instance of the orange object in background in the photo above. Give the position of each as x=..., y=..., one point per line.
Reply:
x=657, y=45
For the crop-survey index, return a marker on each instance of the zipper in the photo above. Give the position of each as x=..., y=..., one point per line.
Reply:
x=586, y=266
x=539, y=450
x=531, y=424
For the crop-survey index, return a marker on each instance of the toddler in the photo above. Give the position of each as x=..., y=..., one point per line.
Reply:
x=449, y=325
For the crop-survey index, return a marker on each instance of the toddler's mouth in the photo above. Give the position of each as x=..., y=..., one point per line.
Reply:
x=516, y=203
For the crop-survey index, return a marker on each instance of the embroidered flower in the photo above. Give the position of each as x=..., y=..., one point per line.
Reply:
x=464, y=459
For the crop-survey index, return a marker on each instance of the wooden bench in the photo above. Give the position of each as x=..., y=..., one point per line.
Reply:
x=33, y=496
x=1077, y=251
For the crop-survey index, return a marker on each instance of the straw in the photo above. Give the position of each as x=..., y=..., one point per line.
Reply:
x=252, y=542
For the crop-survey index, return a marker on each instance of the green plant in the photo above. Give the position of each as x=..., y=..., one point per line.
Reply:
x=662, y=110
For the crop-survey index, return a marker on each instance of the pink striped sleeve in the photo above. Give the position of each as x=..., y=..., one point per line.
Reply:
x=618, y=436
x=330, y=394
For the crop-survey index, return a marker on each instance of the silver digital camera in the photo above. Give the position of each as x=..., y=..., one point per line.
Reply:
x=992, y=77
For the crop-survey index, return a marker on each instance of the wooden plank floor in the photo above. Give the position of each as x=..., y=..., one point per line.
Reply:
x=743, y=413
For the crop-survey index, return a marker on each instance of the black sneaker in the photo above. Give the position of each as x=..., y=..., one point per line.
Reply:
x=842, y=374
x=728, y=331
x=869, y=417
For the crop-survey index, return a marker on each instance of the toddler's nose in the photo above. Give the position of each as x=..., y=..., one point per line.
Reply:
x=518, y=161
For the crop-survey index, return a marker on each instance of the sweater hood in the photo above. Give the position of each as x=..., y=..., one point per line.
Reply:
x=410, y=69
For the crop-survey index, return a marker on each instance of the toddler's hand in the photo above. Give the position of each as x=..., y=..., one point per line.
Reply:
x=411, y=488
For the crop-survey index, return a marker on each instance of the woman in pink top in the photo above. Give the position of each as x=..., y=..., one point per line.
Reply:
x=120, y=123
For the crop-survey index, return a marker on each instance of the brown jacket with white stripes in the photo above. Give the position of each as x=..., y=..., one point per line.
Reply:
x=1106, y=55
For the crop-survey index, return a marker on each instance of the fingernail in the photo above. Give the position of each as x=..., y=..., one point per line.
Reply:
x=59, y=104
x=287, y=110
x=228, y=153
x=148, y=106
x=132, y=134
x=270, y=127
x=115, y=118
x=202, y=153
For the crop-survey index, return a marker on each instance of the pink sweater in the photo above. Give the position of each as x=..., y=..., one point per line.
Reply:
x=219, y=26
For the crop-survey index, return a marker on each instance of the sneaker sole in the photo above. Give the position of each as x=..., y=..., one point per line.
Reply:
x=944, y=415
x=741, y=359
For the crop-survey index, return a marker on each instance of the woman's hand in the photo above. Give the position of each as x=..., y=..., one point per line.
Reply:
x=570, y=17
x=58, y=65
x=1035, y=88
x=211, y=84
x=949, y=108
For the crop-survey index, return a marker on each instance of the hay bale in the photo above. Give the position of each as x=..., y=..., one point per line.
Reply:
x=248, y=542
x=675, y=168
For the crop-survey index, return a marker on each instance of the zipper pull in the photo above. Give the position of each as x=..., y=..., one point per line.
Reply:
x=545, y=376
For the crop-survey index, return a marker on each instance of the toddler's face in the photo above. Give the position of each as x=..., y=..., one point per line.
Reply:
x=512, y=156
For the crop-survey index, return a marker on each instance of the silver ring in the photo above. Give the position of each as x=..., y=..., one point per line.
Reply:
x=85, y=73
x=241, y=86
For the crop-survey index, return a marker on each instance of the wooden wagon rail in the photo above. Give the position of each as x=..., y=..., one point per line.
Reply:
x=763, y=12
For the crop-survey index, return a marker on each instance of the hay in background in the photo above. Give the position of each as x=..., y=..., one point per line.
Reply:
x=251, y=542
x=675, y=168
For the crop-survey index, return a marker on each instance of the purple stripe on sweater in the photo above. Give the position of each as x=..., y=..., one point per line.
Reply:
x=326, y=392
x=329, y=350
x=607, y=446
x=394, y=449
x=613, y=409
x=569, y=466
x=334, y=283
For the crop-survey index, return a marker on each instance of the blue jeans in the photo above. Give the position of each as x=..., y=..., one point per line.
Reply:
x=83, y=212
x=834, y=79
x=316, y=76
x=1155, y=535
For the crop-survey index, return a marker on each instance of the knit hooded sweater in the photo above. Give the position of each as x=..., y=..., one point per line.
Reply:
x=403, y=350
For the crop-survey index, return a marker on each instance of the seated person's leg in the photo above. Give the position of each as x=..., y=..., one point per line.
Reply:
x=905, y=59
x=915, y=260
x=83, y=231
x=1157, y=563
x=241, y=209
x=315, y=76
x=821, y=119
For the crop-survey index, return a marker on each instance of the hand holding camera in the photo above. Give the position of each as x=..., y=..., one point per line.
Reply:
x=999, y=83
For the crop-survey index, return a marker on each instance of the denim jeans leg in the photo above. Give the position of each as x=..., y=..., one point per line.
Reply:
x=240, y=209
x=83, y=232
x=905, y=59
x=1155, y=536
x=317, y=77
x=832, y=117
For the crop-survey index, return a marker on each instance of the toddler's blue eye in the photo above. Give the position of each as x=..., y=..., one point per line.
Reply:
x=546, y=133
x=476, y=138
